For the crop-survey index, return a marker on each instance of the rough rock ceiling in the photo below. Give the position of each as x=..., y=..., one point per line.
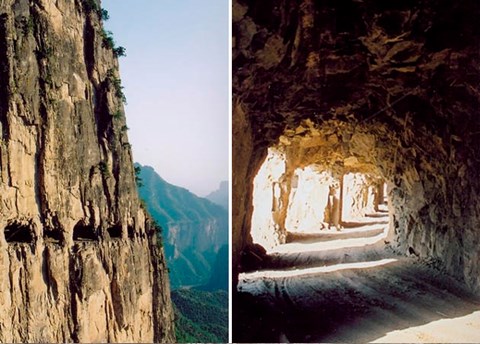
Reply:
x=359, y=60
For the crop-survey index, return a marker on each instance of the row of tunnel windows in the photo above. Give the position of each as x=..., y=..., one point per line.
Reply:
x=21, y=233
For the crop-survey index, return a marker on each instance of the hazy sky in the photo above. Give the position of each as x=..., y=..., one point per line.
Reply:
x=175, y=76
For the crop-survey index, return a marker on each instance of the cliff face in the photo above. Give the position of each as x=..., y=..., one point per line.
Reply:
x=77, y=258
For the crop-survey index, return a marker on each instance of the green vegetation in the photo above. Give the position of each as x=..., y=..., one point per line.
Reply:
x=107, y=36
x=118, y=114
x=103, y=168
x=200, y=316
x=116, y=83
x=104, y=14
x=107, y=39
x=44, y=52
x=201, y=313
x=139, y=182
x=48, y=78
x=109, y=43
x=93, y=6
x=219, y=279
x=119, y=51
x=27, y=25
x=156, y=226
x=159, y=230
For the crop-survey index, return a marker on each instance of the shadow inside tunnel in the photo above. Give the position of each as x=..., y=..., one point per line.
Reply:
x=370, y=229
x=350, y=305
x=348, y=286
x=353, y=224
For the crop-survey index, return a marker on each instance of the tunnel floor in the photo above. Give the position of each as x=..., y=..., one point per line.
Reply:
x=350, y=286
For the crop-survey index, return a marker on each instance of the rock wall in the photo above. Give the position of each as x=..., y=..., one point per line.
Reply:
x=267, y=204
x=359, y=196
x=387, y=88
x=78, y=258
x=308, y=201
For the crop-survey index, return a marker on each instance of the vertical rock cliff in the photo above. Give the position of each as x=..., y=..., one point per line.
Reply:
x=78, y=259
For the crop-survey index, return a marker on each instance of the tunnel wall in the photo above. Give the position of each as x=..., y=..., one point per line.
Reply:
x=358, y=196
x=267, y=201
x=307, y=202
x=436, y=211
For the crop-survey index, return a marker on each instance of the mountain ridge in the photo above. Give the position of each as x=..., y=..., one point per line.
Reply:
x=221, y=195
x=194, y=228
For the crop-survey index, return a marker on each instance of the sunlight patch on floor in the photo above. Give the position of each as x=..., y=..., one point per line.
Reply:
x=465, y=329
x=298, y=247
x=273, y=274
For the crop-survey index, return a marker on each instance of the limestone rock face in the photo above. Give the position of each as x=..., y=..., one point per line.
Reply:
x=306, y=207
x=78, y=259
x=382, y=87
x=265, y=218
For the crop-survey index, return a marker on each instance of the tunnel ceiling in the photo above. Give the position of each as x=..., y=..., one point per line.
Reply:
x=341, y=147
x=404, y=64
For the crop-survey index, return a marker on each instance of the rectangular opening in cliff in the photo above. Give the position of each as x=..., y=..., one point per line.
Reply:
x=84, y=232
x=18, y=233
x=53, y=235
x=115, y=231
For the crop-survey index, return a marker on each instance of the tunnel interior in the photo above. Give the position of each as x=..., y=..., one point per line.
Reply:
x=17, y=232
x=115, y=231
x=84, y=232
x=317, y=182
x=131, y=232
x=53, y=235
x=396, y=105
x=356, y=92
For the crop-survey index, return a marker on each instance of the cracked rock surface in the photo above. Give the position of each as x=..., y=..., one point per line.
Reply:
x=79, y=260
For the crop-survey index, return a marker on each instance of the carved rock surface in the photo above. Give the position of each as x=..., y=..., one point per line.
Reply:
x=78, y=259
x=389, y=88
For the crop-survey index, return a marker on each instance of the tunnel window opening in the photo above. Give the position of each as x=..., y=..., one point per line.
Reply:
x=131, y=232
x=328, y=211
x=83, y=232
x=313, y=207
x=52, y=235
x=363, y=197
x=115, y=231
x=18, y=233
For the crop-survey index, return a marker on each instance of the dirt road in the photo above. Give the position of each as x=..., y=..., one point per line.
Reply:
x=350, y=287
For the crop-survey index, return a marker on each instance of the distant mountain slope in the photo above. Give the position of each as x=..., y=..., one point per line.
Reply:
x=201, y=316
x=219, y=278
x=194, y=228
x=220, y=196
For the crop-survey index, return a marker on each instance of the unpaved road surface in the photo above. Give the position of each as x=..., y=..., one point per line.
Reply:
x=346, y=287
